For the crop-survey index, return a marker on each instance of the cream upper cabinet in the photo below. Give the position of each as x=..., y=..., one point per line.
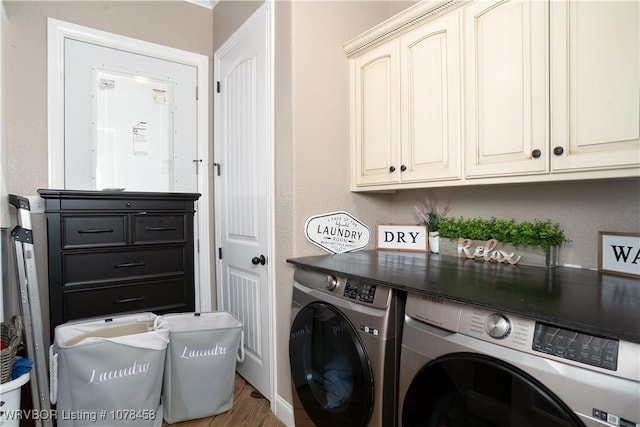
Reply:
x=595, y=85
x=405, y=108
x=376, y=115
x=430, y=101
x=487, y=92
x=506, y=88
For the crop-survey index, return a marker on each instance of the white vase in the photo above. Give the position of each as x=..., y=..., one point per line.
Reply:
x=434, y=241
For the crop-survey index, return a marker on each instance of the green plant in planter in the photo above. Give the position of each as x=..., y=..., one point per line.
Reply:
x=537, y=233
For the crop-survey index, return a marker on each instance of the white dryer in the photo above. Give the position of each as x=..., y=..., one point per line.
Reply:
x=467, y=366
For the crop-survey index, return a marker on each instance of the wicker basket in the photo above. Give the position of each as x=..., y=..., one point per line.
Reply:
x=11, y=335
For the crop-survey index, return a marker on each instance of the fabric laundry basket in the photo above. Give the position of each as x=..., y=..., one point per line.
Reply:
x=199, y=375
x=109, y=371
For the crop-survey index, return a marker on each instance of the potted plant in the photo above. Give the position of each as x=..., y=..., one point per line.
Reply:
x=431, y=217
x=537, y=236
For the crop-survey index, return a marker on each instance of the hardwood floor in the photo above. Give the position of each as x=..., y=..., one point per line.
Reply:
x=250, y=409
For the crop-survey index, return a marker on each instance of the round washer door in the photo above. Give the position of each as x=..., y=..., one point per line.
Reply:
x=467, y=389
x=330, y=370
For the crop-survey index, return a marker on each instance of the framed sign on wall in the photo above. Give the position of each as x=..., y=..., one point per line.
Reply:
x=337, y=232
x=619, y=253
x=402, y=237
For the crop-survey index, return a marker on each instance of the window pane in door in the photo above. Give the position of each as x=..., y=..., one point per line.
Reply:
x=133, y=132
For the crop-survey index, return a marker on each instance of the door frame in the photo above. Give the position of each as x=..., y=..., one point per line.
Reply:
x=266, y=7
x=57, y=32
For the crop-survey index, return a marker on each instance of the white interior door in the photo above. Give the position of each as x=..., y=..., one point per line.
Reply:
x=130, y=121
x=243, y=194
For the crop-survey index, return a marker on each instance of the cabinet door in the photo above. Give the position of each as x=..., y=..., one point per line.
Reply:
x=430, y=62
x=376, y=105
x=595, y=84
x=506, y=88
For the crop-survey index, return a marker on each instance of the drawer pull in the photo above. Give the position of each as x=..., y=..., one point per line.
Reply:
x=160, y=228
x=96, y=231
x=124, y=300
x=129, y=264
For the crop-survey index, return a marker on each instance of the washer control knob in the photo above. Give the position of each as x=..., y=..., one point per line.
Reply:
x=332, y=282
x=497, y=326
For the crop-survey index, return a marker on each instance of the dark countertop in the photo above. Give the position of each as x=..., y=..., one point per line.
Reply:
x=583, y=300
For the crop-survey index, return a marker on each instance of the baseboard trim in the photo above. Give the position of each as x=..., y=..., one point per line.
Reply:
x=284, y=411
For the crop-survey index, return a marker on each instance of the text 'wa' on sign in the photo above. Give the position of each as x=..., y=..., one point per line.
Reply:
x=337, y=232
x=402, y=237
x=619, y=253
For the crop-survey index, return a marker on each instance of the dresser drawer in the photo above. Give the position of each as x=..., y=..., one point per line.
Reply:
x=94, y=230
x=149, y=296
x=158, y=228
x=102, y=266
x=123, y=204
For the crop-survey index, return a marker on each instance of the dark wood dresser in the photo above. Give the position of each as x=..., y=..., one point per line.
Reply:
x=119, y=252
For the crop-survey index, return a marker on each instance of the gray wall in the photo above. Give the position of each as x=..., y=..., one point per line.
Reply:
x=320, y=155
x=581, y=208
x=312, y=161
x=177, y=24
x=312, y=134
x=228, y=15
x=311, y=127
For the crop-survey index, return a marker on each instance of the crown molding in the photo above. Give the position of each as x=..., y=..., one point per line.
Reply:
x=423, y=11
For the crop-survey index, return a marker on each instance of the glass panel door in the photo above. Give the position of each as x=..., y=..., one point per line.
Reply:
x=133, y=132
x=330, y=369
x=474, y=390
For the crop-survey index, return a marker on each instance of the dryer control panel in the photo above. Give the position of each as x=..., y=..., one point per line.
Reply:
x=359, y=291
x=576, y=346
x=610, y=356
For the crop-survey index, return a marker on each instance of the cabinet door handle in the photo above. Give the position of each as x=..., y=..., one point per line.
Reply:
x=129, y=264
x=558, y=151
x=124, y=300
x=96, y=231
x=160, y=228
x=403, y=168
x=536, y=153
x=392, y=168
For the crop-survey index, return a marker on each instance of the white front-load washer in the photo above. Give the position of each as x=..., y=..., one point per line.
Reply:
x=463, y=365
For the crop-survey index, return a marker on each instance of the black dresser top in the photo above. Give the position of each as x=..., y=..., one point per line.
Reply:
x=583, y=300
x=120, y=195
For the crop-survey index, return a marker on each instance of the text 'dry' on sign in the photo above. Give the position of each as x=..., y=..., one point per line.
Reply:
x=402, y=237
